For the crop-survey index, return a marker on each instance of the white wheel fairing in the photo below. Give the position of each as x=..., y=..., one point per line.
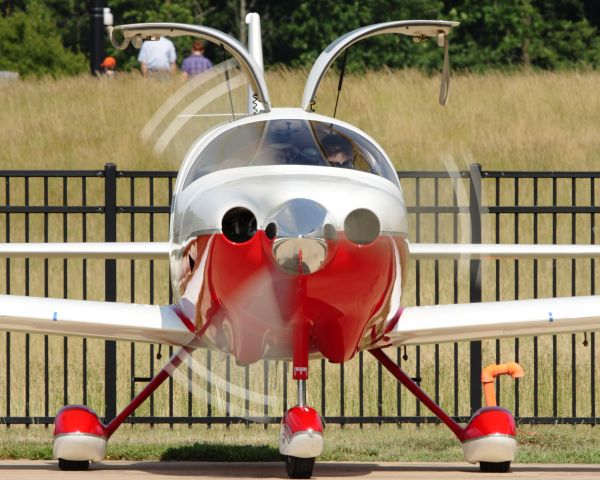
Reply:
x=490, y=448
x=308, y=444
x=79, y=446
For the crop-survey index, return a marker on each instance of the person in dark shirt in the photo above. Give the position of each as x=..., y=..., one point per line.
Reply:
x=339, y=151
x=195, y=63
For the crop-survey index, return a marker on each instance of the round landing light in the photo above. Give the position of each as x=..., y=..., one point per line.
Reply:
x=239, y=225
x=361, y=226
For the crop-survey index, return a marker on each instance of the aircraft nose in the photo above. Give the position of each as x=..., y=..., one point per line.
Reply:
x=300, y=244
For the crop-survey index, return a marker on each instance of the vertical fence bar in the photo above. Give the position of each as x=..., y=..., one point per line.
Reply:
x=455, y=290
x=84, y=346
x=46, y=293
x=592, y=292
x=361, y=399
x=208, y=386
x=8, y=354
x=498, y=288
x=573, y=293
x=27, y=339
x=342, y=405
x=535, y=295
x=65, y=291
x=190, y=410
x=379, y=390
x=554, y=289
x=285, y=388
x=436, y=290
x=398, y=390
x=171, y=382
x=132, y=289
x=516, y=285
x=475, y=280
x=110, y=289
x=323, y=389
x=417, y=274
x=265, y=392
x=227, y=388
x=151, y=285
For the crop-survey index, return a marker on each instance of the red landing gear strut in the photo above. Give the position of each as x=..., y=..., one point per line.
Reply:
x=488, y=439
x=301, y=435
x=80, y=437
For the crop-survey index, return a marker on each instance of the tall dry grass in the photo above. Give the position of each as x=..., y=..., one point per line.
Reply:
x=520, y=121
x=533, y=120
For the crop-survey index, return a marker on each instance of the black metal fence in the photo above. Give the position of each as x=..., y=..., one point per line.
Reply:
x=41, y=373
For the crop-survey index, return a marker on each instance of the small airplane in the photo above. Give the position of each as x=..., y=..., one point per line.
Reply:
x=288, y=240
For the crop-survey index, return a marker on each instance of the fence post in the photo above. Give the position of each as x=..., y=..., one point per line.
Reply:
x=475, y=280
x=110, y=289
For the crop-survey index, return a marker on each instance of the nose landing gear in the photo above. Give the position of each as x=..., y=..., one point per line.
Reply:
x=301, y=434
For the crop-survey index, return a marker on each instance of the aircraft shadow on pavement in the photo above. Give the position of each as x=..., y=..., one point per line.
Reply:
x=271, y=466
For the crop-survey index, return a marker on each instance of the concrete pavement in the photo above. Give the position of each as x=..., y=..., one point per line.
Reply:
x=27, y=469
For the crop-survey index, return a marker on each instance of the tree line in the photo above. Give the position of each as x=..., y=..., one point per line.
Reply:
x=52, y=37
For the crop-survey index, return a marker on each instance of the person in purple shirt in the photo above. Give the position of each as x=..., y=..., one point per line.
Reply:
x=196, y=63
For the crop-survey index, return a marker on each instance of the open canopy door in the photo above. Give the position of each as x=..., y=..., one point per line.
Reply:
x=418, y=29
x=137, y=32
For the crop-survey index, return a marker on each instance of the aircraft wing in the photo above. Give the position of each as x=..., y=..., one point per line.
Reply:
x=110, y=320
x=127, y=250
x=478, y=321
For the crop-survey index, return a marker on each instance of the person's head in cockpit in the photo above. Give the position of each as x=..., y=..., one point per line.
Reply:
x=338, y=150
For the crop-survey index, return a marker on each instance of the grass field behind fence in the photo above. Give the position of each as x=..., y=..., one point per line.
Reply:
x=534, y=121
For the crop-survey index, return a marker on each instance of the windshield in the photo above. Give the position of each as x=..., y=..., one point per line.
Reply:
x=290, y=142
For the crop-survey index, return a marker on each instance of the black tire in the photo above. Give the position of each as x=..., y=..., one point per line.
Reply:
x=299, y=467
x=494, y=467
x=73, y=465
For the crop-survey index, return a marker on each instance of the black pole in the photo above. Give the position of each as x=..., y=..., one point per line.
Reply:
x=475, y=281
x=97, y=51
x=110, y=289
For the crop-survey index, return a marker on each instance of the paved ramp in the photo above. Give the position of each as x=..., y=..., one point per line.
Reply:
x=34, y=470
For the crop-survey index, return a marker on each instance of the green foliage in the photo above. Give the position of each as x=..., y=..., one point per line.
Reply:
x=30, y=44
x=493, y=34
x=514, y=33
x=308, y=27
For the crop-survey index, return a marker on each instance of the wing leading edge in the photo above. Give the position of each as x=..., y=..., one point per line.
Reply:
x=478, y=321
x=115, y=321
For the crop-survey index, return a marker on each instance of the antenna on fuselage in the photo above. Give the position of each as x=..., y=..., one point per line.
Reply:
x=256, y=52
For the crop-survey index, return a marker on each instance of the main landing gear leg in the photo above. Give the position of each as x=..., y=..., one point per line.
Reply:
x=488, y=439
x=80, y=437
x=301, y=435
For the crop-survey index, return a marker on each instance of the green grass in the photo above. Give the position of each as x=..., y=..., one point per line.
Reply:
x=387, y=443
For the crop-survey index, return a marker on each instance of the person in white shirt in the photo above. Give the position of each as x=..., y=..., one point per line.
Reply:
x=157, y=57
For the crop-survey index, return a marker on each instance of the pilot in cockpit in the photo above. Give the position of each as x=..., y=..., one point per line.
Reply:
x=339, y=150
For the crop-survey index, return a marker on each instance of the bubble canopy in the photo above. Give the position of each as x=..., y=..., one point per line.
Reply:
x=290, y=142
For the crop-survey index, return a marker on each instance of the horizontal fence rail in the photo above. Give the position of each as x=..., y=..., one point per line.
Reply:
x=41, y=373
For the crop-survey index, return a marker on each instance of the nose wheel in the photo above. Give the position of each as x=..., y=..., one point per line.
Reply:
x=492, y=467
x=73, y=465
x=299, y=467
x=301, y=434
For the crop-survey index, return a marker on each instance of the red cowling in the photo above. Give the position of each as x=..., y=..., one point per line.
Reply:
x=302, y=419
x=490, y=421
x=78, y=419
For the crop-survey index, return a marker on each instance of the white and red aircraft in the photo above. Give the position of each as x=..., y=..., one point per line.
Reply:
x=288, y=239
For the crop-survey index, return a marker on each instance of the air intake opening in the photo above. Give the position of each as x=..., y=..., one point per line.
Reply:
x=271, y=231
x=239, y=225
x=361, y=226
